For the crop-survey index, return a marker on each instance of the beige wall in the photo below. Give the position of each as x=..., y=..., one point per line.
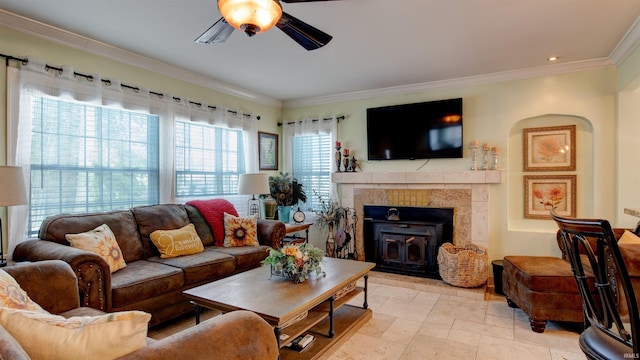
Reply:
x=496, y=113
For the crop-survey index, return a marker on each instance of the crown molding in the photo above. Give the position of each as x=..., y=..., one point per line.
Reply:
x=627, y=44
x=61, y=36
x=454, y=83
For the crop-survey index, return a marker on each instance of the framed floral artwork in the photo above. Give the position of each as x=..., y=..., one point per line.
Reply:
x=550, y=148
x=543, y=193
x=267, y=151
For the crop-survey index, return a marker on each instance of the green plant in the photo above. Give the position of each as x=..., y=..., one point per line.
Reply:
x=286, y=190
x=295, y=261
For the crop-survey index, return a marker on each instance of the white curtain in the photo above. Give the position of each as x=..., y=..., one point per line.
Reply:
x=35, y=78
x=320, y=126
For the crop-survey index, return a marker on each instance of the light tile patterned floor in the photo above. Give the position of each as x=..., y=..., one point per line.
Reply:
x=416, y=318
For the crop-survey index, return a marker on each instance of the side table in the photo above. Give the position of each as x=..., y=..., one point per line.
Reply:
x=290, y=233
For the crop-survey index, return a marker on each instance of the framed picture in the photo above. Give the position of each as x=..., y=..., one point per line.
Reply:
x=543, y=193
x=268, y=151
x=550, y=148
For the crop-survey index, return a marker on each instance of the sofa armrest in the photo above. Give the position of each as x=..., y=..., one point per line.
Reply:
x=41, y=279
x=92, y=272
x=238, y=335
x=271, y=232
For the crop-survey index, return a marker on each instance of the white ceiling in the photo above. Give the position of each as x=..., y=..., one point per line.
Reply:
x=377, y=44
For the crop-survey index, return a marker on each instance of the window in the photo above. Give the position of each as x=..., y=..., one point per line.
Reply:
x=208, y=160
x=311, y=158
x=87, y=158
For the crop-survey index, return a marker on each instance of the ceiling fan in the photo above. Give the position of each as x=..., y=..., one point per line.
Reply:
x=256, y=16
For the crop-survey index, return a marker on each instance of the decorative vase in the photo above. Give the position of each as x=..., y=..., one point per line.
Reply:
x=284, y=213
x=331, y=242
x=270, y=206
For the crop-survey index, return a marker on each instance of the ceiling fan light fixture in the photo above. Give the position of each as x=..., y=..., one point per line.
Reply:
x=251, y=16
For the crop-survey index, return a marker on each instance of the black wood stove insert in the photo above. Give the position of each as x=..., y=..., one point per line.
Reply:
x=406, y=239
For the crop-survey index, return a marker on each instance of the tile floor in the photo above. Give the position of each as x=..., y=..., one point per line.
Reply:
x=416, y=318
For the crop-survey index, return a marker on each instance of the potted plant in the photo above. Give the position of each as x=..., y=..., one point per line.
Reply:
x=287, y=191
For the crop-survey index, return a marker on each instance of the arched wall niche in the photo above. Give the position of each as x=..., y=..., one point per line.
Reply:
x=584, y=170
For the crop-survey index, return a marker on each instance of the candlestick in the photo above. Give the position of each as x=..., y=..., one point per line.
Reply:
x=496, y=154
x=474, y=161
x=485, y=148
x=338, y=156
x=346, y=162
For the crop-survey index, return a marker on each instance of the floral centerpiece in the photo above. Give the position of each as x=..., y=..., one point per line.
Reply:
x=295, y=261
x=286, y=190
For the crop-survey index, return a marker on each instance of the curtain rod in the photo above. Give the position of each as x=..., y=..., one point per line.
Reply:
x=341, y=117
x=107, y=82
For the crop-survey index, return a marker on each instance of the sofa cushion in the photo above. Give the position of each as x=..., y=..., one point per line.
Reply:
x=240, y=231
x=101, y=241
x=121, y=222
x=205, y=266
x=158, y=217
x=177, y=242
x=12, y=295
x=247, y=257
x=202, y=227
x=213, y=212
x=143, y=280
x=47, y=336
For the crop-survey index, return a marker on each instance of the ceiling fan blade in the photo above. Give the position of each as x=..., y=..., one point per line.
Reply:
x=304, y=34
x=217, y=33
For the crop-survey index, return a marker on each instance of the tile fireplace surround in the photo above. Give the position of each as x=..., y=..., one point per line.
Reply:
x=464, y=190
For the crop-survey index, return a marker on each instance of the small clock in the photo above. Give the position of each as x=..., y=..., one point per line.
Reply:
x=298, y=216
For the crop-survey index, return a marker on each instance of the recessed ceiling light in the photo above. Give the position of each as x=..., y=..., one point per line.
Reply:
x=553, y=58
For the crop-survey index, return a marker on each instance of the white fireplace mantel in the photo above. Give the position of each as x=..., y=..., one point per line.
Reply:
x=420, y=177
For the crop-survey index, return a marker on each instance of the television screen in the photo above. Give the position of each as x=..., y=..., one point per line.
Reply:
x=424, y=130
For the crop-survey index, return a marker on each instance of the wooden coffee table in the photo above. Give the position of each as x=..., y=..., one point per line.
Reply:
x=294, y=309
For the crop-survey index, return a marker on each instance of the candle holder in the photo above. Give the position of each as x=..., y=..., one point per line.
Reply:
x=338, y=158
x=485, y=148
x=496, y=155
x=474, y=153
x=346, y=162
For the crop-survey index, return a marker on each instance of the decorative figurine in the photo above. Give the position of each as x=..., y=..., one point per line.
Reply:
x=354, y=164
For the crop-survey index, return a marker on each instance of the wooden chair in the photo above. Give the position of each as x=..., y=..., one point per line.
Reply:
x=607, y=333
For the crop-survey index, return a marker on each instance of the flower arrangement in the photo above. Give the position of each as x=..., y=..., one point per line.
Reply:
x=296, y=261
x=286, y=190
x=329, y=214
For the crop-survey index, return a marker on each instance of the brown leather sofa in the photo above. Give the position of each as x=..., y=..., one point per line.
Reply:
x=236, y=335
x=148, y=283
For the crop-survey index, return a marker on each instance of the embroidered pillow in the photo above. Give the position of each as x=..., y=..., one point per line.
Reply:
x=12, y=295
x=213, y=212
x=172, y=243
x=240, y=231
x=53, y=337
x=102, y=242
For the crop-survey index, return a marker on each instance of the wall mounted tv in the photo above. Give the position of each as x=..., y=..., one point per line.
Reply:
x=425, y=130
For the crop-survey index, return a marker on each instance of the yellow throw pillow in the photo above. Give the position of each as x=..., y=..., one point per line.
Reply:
x=12, y=295
x=240, y=231
x=172, y=243
x=52, y=337
x=102, y=242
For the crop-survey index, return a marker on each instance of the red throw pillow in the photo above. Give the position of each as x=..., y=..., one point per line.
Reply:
x=213, y=212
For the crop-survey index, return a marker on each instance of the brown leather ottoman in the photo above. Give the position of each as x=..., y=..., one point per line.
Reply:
x=543, y=287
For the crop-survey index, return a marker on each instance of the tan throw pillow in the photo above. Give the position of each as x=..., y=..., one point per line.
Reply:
x=240, y=231
x=12, y=295
x=172, y=243
x=52, y=337
x=629, y=245
x=102, y=242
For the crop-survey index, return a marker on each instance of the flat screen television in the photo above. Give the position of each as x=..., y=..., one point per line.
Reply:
x=425, y=130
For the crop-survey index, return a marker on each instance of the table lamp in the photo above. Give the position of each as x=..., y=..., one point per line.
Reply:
x=12, y=192
x=252, y=184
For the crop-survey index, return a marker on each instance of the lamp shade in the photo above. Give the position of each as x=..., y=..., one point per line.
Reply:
x=251, y=16
x=250, y=184
x=12, y=191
